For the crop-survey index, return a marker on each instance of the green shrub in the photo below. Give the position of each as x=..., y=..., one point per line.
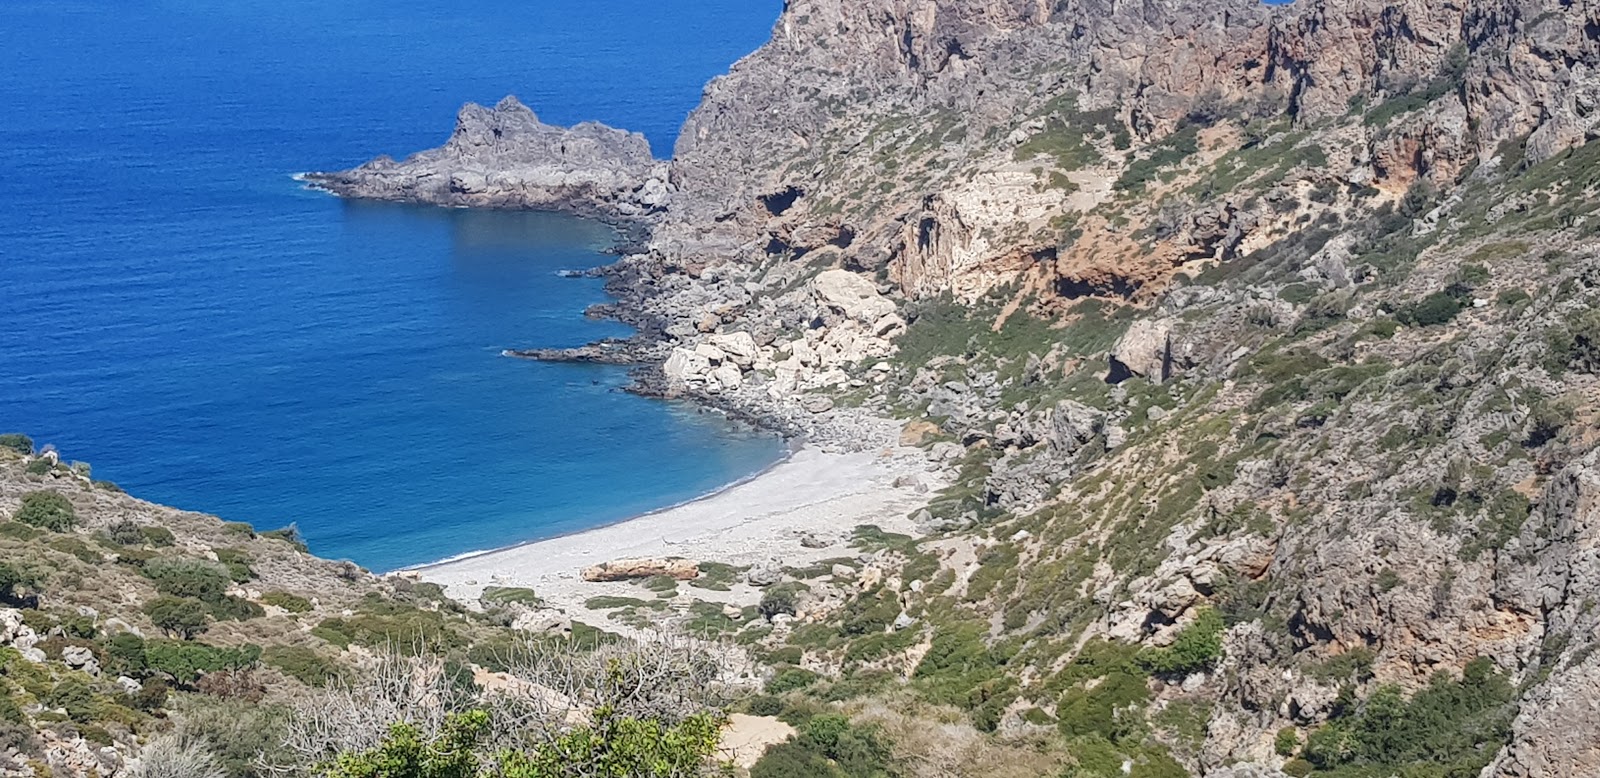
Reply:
x=778, y=599
x=1286, y=741
x=239, y=528
x=764, y=705
x=39, y=466
x=292, y=603
x=47, y=510
x=160, y=537
x=1577, y=344
x=188, y=577
x=237, y=560
x=507, y=595
x=234, y=609
x=180, y=617
x=1197, y=647
x=1455, y=726
x=19, y=531
x=18, y=442
x=406, y=628
x=290, y=535
x=125, y=533
x=304, y=664
x=14, y=577
x=1104, y=686
x=1435, y=309
x=186, y=661
x=828, y=746
x=790, y=679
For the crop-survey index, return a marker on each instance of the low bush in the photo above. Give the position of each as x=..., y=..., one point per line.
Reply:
x=237, y=560
x=47, y=510
x=14, y=579
x=790, y=679
x=179, y=617
x=778, y=599
x=304, y=664
x=188, y=577
x=125, y=533
x=508, y=595
x=160, y=537
x=1453, y=727
x=828, y=746
x=1197, y=647
x=292, y=603
x=18, y=442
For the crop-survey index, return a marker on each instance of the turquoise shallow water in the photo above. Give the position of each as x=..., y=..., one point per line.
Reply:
x=208, y=334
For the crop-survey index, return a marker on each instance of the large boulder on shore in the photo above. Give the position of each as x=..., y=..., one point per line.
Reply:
x=650, y=567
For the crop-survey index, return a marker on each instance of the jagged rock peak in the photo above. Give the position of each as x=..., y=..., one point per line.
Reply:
x=505, y=157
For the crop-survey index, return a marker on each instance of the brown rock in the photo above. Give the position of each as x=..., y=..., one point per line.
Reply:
x=629, y=569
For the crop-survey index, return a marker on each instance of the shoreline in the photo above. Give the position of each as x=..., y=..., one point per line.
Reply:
x=792, y=447
x=813, y=494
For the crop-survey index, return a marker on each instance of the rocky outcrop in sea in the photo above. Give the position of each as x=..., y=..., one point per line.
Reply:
x=505, y=157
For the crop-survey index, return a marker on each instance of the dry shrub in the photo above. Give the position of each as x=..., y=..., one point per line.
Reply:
x=171, y=757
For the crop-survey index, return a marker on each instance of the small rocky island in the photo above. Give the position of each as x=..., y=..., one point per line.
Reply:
x=505, y=157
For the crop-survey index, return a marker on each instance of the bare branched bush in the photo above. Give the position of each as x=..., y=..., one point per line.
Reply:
x=354, y=714
x=172, y=757
x=662, y=678
x=549, y=688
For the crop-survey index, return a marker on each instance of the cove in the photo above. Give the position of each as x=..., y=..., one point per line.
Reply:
x=210, y=335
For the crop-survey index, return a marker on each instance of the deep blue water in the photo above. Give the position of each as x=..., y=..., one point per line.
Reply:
x=181, y=314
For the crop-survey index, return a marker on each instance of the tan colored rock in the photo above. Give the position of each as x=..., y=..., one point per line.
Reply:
x=917, y=431
x=1144, y=351
x=629, y=569
x=852, y=295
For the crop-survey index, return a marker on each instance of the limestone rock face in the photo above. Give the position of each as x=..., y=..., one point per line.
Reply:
x=1557, y=555
x=628, y=569
x=504, y=157
x=850, y=294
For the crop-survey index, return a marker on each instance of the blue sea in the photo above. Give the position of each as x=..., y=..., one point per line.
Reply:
x=208, y=334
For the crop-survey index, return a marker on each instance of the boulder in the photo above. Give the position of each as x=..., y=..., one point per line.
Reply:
x=685, y=366
x=1145, y=350
x=727, y=377
x=852, y=295
x=738, y=346
x=764, y=574
x=629, y=569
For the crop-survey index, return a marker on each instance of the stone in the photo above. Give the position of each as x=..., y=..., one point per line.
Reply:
x=685, y=366
x=903, y=621
x=629, y=569
x=809, y=540
x=713, y=355
x=129, y=685
x=1145, y=350
x=740, y=347
x=842, y=571
x=764, y=574
x=852, y=295
x=727, y=377
x=817, y=403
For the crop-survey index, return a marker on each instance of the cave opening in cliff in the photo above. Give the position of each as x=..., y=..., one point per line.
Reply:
x=1110, y=286
x=779, y=202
